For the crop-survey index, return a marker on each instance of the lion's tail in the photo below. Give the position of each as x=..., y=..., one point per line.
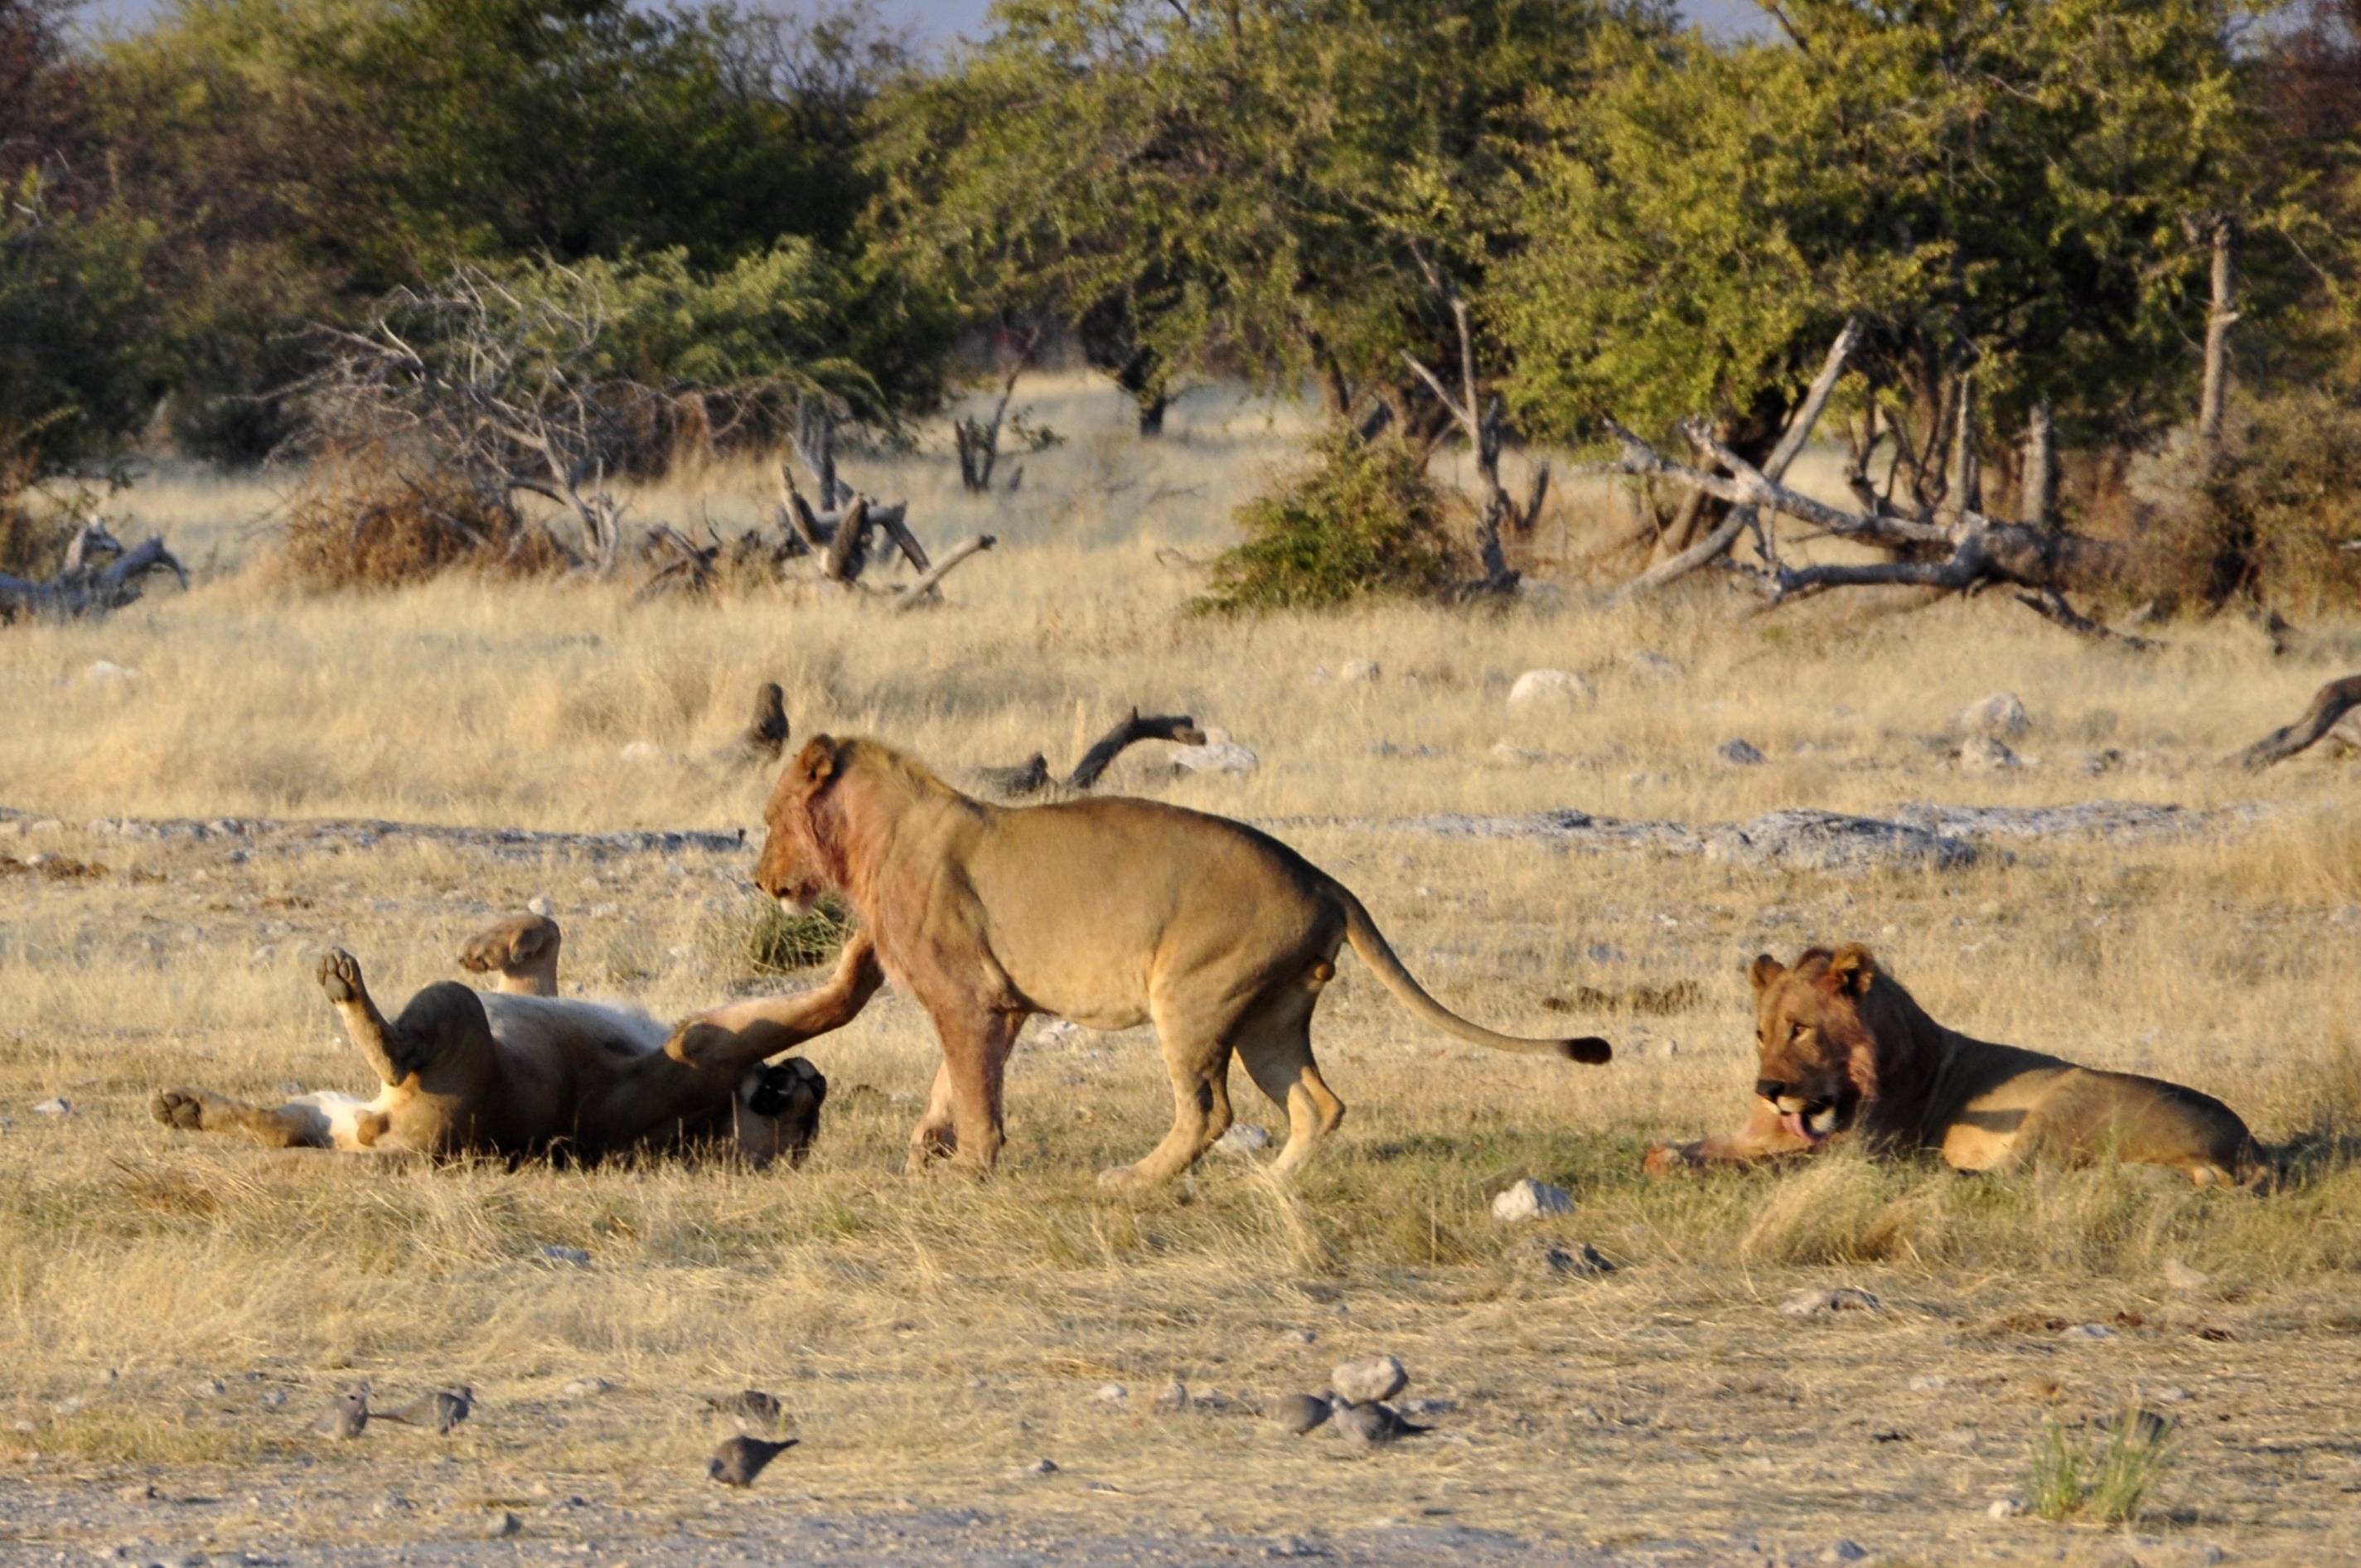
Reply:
x=1378, y=954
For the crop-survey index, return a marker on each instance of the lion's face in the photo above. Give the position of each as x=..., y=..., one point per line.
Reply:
x=792, y=867
x=1815, y=1054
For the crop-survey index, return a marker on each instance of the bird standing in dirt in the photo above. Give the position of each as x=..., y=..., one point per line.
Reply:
x=737, y=1462
x=350, y=1416
x=1371, y=1424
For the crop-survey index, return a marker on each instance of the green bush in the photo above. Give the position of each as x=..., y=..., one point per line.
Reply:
x=1364, y=521
x=2283, y=500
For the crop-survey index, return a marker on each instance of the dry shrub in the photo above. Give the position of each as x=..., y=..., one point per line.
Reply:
x=30, y=546
x=2265, y=525
x=375, y=524
x=1846, y=1209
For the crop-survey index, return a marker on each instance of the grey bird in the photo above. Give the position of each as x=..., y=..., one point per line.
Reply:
x=1300, y=1413
x=1372, y=1425
x=350, y=1416
x=442, y=1409
x=737, y=1462
x=751, y=1403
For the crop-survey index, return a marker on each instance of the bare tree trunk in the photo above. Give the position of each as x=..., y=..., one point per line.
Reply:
x=2037, y=490
x=2218, y=321
x=2329, y=704
x=848, y=553
x=1963, y=486
x=916, y=592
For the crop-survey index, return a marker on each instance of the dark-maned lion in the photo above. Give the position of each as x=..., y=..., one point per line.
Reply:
x=1108, y=911
x=1842, y=1049
x=516, y=1072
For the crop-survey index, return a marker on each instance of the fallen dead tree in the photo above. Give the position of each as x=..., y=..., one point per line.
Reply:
x=1032, y=775
x=1951, y=548
x=99, y=574
x=2330, y=703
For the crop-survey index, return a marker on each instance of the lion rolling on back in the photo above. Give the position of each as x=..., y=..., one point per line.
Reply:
x=1843, y=1048
x=1108, y=911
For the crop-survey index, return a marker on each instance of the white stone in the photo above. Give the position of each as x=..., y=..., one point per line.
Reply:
x=2003, y=1508
x=585, y=1387
x=1740, y=754
x=1509, y=754
x=1648, y=662
x=1174, y=1396
x=641, y=751
x=540, y=906
x=1982, y=754
x=1358, y=671
x=1375, y=1377
x=1927, y=1383
x=59, y=1107
x=106, y=671
x=1242, y=1138
x=2180, y=1276
x=1845, y=1552
x=1113, y=1394
x=573, y=1255
x=1550, y=688
x=1529, y=1199
x=1214, y=757
x=2088, y=1331
x=1999, y=714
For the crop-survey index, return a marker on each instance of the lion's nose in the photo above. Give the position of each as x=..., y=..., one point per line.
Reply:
x=1770, y=1088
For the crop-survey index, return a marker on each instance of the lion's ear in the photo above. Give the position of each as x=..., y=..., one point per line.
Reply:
x=1765, y=970
x=1852, y=969
x=816, y=761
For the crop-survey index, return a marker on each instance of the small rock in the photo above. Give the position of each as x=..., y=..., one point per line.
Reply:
x=1429, y=1407
x=210, y=1389
x=1214, y=757
x=1845, y=1552
x=1982, y=754
x=2088, y=1331
x=503, y=1525
x=274, y=1397
x=641, y=751
x=1174, y=1395
x=1550, y=688
x=1038, y=1467
x=1300, y=1413
x=1740, y=754
x=604, y=911
x=1528, y=1199
x=2004, y=1508
x=1366, y=1381
x=1299, y=1336
x=1242, y=1138
x=573, y=1255
x=1999, y=714
x=1372, y=1425
x=1648, y=662
x=2147, y=1425
x=139, y=1492
x=1927, y=1383
x=585, y=1387
x=2180, y=1276
x=1811, y=1303
x=540, y=906
x=1509, y=754
x=263, y=954
x=1113, y=1394
x=106, y=671
x=57, y=1107
x=1357, y=670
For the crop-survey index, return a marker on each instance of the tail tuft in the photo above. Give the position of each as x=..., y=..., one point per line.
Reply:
x=1589, y=1048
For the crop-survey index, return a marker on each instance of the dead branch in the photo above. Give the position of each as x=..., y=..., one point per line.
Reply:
x=84, y=587
x=1178, y=728
x=978, y=443
x=1791, y=446
x=2329, y=704
x=916, y=592
x=1028, y=777
x=2051, y=606
x=848, y=545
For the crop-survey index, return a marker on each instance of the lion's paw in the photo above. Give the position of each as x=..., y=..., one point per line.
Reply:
x=340, y=976
x=182, y=1108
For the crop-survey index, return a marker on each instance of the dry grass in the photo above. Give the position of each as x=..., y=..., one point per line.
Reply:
x=930, y=1334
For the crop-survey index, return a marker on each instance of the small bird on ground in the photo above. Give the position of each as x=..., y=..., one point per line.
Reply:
x=751, y=1403
x=350, y=1416
x=442, y=1409
x=1300, y=1413
x=737, y=1462
x=1372, y=1425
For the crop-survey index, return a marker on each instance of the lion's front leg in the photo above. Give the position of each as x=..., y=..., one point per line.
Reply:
x=937, y=1135
x=203, y=1110
x=340, y=977
x=1763, y=1136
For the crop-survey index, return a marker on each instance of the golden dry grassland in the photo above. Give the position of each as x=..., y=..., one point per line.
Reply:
x=931, y=1336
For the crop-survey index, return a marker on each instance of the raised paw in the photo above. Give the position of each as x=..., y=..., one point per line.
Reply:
x=340, y=976
x=182, y=1108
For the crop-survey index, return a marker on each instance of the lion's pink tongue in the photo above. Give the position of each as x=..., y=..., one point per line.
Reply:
x=1793, y=1122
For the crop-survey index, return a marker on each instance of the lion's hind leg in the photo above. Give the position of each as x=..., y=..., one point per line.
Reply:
x=203, y=1110
x=1276, y=1045
x=339, y=975
x=1197, y=1047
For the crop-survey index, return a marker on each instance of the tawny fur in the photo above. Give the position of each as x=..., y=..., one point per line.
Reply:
x=522, y=950
x=513, y=1074
x=1109, y=911
x=1844, y=1051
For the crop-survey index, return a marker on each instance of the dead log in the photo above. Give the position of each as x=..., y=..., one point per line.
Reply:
x=848, y=547
x=1179, y=728
x=1791, y=446
x=916, y=592
x=81, y=587
x=2329, y=704
x=766, y=737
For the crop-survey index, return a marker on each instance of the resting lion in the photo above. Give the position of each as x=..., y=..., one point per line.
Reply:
x=520, y=1071
x=1842, y=1047
x=1106, y=911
